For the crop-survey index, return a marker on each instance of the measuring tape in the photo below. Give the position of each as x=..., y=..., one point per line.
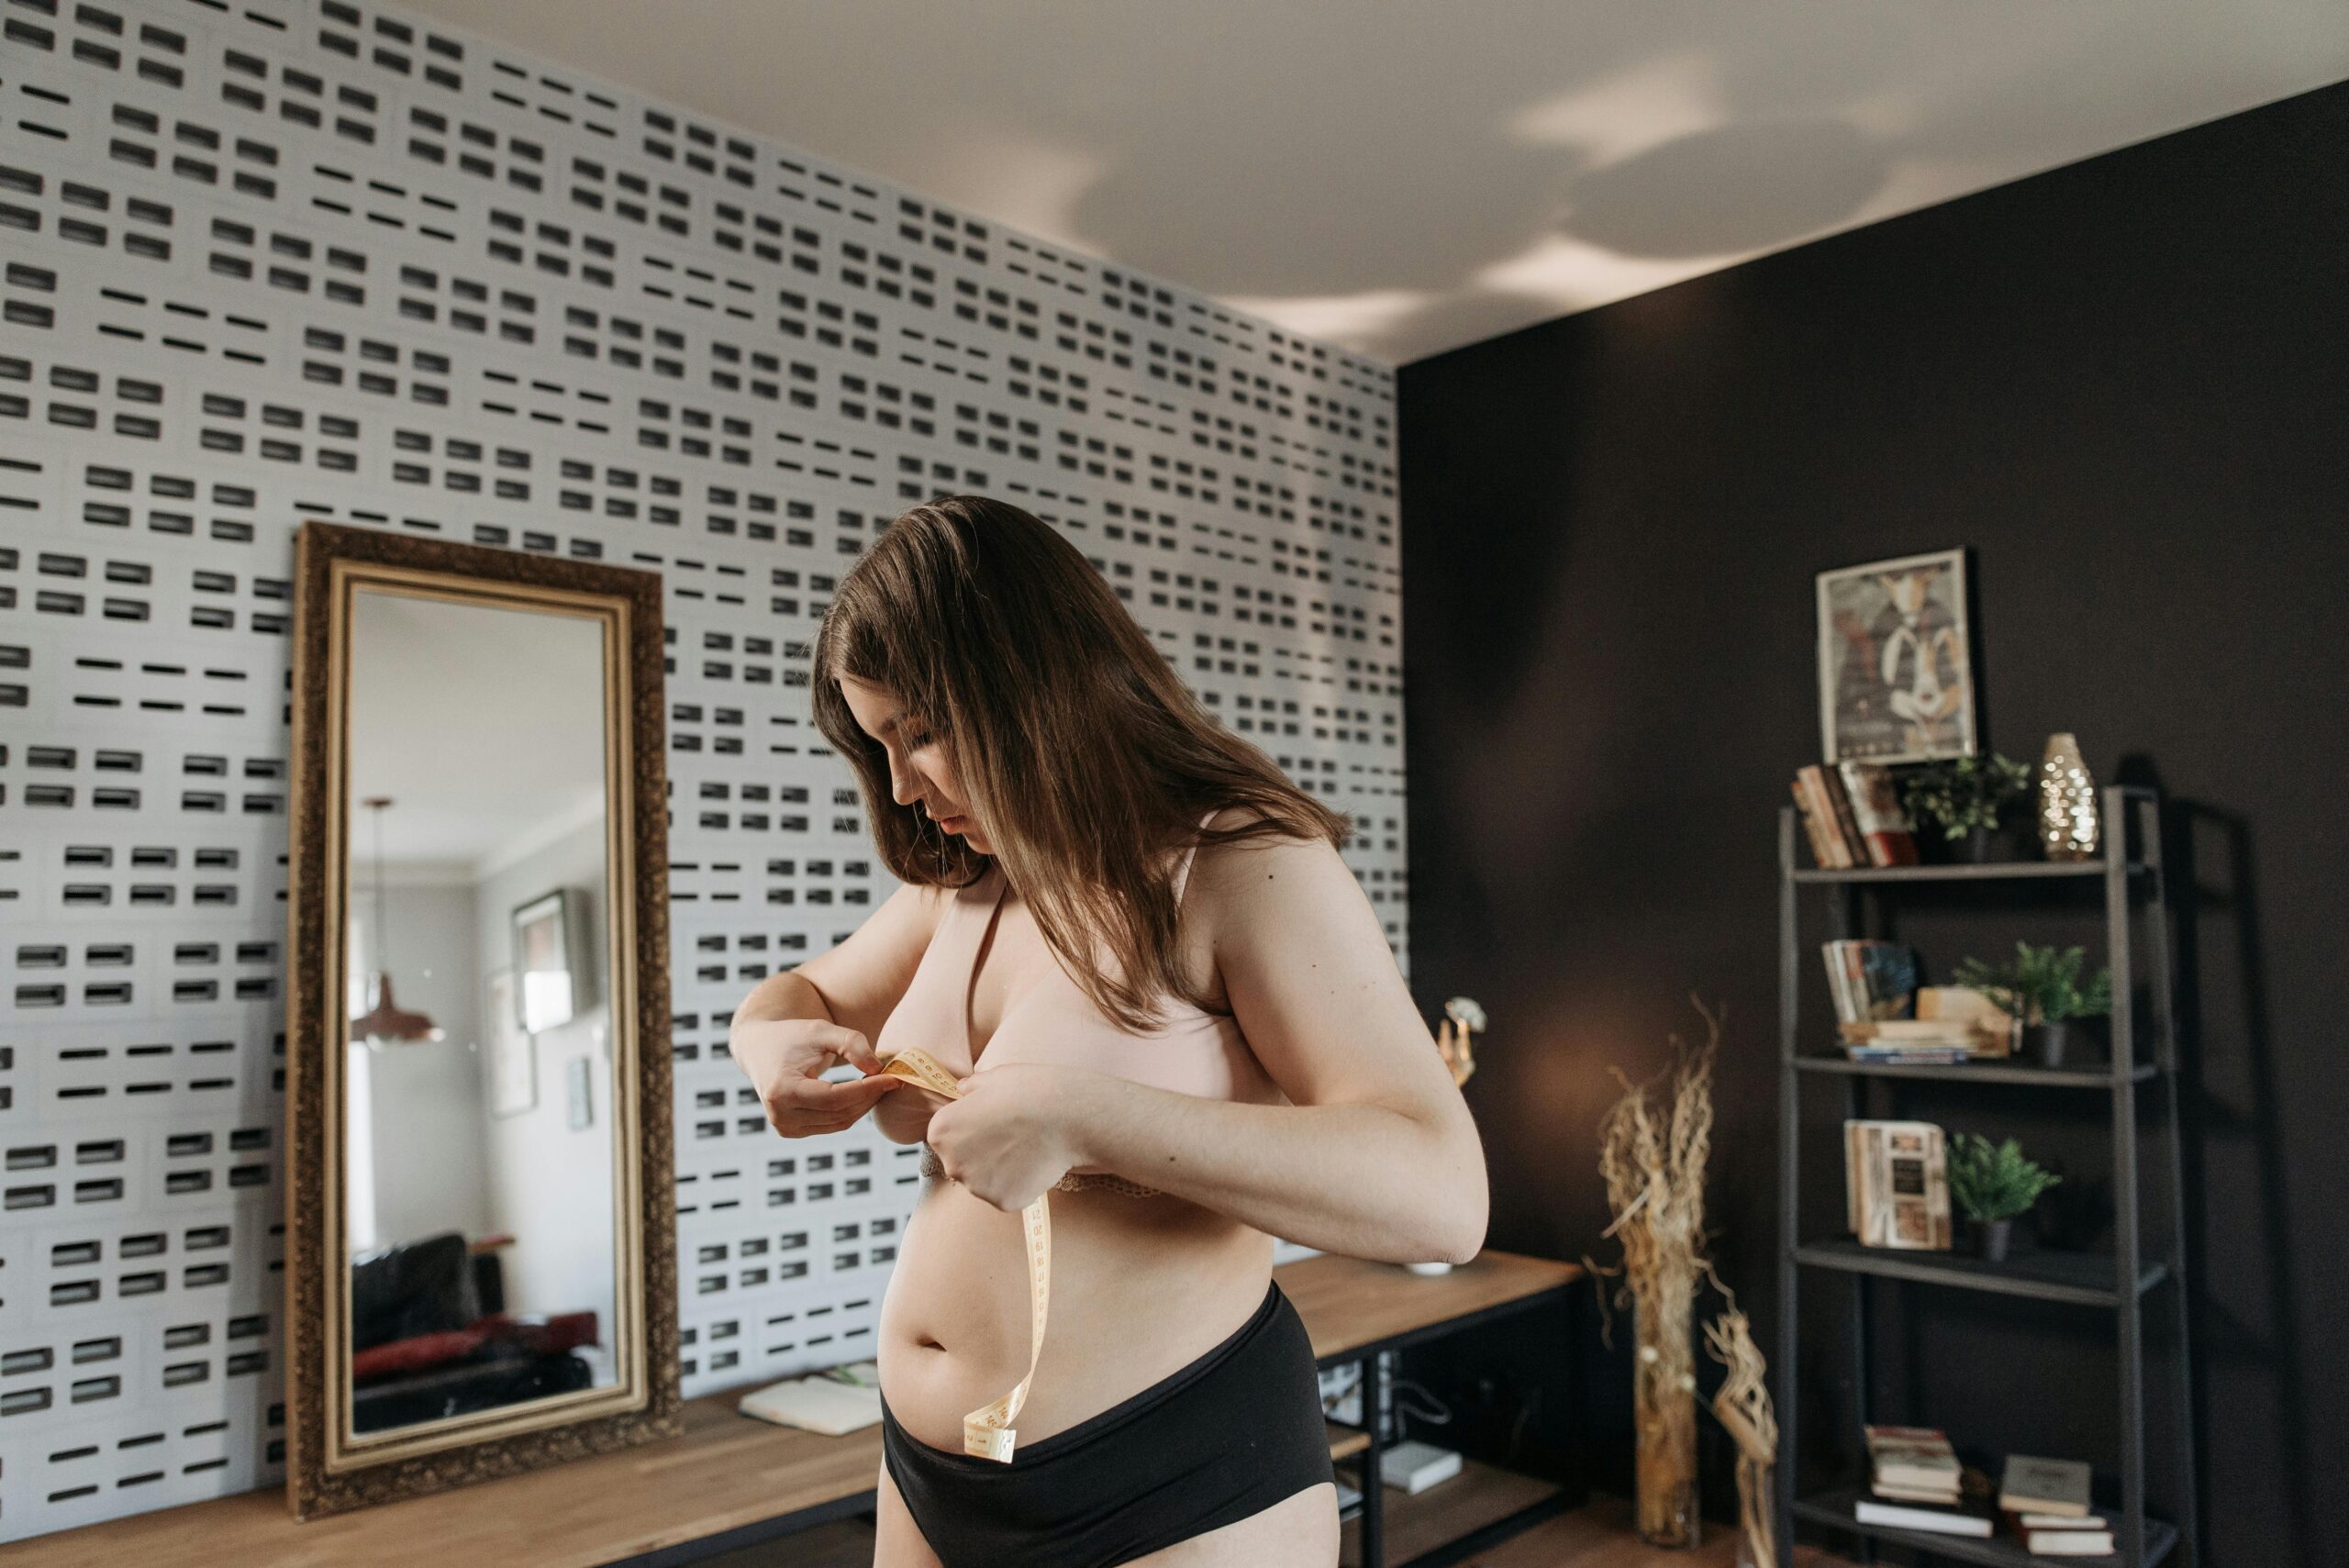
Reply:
x=987, y=1432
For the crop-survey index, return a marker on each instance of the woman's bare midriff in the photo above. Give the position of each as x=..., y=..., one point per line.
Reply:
x=1142, y=1287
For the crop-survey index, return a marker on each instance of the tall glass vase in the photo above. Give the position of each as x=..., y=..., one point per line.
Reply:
x=1664, y=1406
x=2069, y=829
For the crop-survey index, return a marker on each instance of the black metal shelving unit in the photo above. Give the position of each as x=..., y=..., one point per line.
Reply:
x=2132, y=888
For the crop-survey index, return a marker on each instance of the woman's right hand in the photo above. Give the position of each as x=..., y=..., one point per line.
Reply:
x=785, y=1059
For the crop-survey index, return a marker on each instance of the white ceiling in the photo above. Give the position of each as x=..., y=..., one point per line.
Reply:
x=484, y=724
x=1401, y=178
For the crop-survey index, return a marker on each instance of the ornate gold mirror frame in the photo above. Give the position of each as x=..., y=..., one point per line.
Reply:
x=330, y=1468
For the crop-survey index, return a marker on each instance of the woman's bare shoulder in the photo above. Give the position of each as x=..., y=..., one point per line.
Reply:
x=1241, y=815
x=1254, y=877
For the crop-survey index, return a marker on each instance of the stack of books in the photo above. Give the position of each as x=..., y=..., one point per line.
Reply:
x=1907, y=1042
x=1942, y=1024
x=1915, y=1477
x=1884, y=1014
x=1874, y=987
x=2046, y=1503
x=1851, y=812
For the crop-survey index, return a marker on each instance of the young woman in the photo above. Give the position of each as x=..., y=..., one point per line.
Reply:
x=1167, y=1002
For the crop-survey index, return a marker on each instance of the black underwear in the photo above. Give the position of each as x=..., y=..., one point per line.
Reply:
x=1225, y=1436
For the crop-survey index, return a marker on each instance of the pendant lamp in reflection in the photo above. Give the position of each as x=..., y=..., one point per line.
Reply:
x=387, y=1023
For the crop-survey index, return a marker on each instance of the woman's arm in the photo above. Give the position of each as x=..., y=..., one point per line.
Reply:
x=854, y=985
x=1377, y=1155
x=784, y=1039
x=1361, y=1180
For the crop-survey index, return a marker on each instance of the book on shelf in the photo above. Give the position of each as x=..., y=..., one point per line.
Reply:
x=1842, y=986
x=1828, y=845
x=1905, y=1031
x=1888, y=975
x=1900, y=1493
x=2045, y=1486
x=1896, y=1184
x=1908, y=1055
x=2068, y=1543
x=1913, y=1456
x=2046, y=1535
x=1824, y=850
x=1847, y=822
x=1883, y=827
x=1871, y=979
x=1875, y=1037
x=1945, y=1028
x=1993, y=1029
x=1922, y=1516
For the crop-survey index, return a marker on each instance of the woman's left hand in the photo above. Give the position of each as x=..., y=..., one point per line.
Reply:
x=1014, y=1132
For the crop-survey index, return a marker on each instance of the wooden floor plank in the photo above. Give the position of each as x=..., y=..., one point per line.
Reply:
x=1598, y=1536
x=1601, y=1536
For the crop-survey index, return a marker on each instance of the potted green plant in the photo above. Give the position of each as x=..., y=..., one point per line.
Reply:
x=1961, y=808
x=1991, y=1184
x=2041, y=989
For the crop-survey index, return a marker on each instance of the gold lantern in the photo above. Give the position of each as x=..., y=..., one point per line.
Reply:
x=2068, y=827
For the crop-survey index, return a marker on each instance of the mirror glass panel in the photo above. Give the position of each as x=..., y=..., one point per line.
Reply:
x=481, y=1212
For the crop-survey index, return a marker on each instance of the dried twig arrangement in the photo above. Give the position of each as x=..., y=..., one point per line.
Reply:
x=1653, y=1159
x=1743, y=1406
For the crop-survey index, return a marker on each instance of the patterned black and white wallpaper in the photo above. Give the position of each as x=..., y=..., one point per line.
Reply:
x=273, y=261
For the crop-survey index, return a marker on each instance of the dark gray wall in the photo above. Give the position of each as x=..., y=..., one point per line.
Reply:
x=2125, y=383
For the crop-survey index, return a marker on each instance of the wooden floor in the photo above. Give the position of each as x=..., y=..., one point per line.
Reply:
x=1601, y=1536
x=1596, y=1537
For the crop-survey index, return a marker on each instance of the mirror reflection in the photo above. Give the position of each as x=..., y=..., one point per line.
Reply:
x=481, y=1209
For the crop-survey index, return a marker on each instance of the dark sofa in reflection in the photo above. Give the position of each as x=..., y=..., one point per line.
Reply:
x=430, y=1337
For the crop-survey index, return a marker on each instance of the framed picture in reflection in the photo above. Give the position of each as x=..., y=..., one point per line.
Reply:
x=546, y=981
x=512, y=1064
x=580, y=1075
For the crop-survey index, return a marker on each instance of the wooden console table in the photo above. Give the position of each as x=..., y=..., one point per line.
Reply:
x=731, y=1481
x=1357, y=1311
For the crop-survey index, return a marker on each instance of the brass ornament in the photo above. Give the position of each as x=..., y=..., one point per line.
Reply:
x=1455, y=1040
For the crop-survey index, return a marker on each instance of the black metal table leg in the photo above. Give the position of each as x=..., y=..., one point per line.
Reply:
x=1372, y=1532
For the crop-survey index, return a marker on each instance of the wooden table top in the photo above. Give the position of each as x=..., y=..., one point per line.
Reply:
x=1350, y=1305
x=727, y=1471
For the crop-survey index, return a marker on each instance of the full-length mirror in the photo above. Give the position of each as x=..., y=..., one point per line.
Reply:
x=478, y=1194
x=478, y=930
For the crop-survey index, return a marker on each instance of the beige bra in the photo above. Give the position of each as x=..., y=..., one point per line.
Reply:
x=1188, y=1051
x=1074, y=1181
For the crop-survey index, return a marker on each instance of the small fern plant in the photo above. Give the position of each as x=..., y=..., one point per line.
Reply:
x=2039, y=986
x=1994, y=1181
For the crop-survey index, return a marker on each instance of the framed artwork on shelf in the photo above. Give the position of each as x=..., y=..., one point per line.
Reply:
x=1896, y=660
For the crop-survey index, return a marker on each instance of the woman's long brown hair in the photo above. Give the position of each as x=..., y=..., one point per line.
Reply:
x=1080, y=751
